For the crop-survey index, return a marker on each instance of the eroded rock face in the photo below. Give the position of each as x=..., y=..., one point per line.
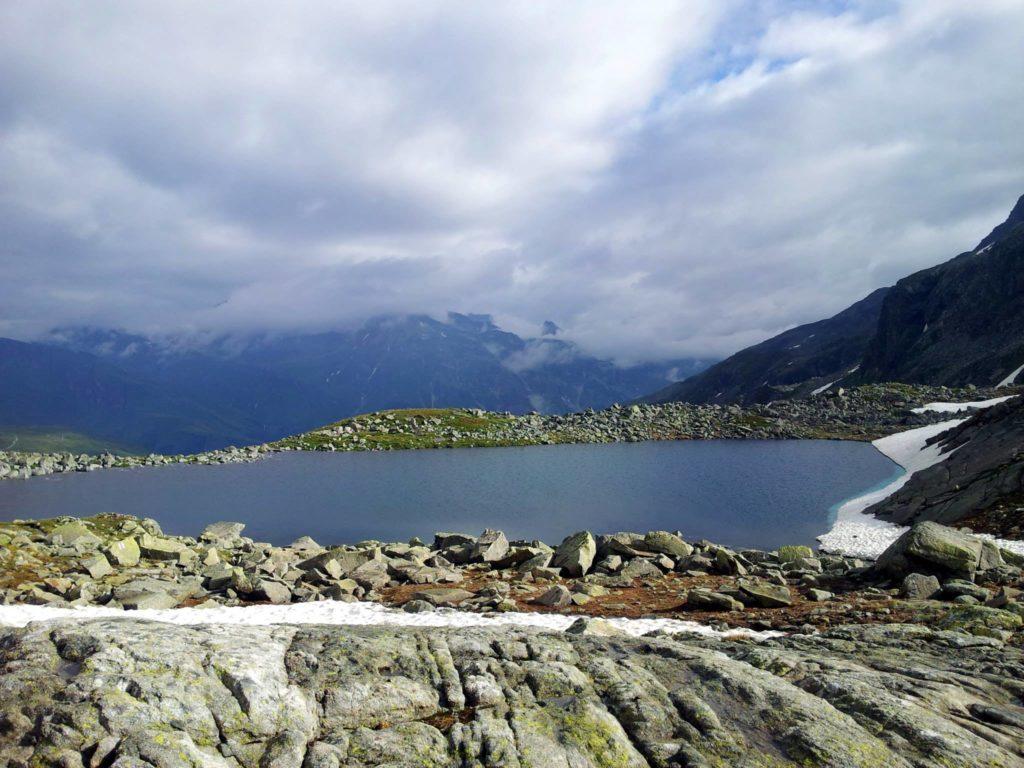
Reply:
x=133, y=693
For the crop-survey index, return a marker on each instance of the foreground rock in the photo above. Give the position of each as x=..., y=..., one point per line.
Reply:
x=119, y=561
x=130, y=694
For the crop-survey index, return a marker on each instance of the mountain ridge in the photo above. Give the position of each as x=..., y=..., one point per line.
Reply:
x=187, y=394
x=953, y=324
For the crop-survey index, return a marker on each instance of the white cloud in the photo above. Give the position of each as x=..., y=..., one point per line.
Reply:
x=662, y=179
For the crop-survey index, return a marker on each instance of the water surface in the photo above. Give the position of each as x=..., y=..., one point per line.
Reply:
x=742, y=493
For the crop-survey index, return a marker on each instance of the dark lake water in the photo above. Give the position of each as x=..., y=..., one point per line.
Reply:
x=735, y=492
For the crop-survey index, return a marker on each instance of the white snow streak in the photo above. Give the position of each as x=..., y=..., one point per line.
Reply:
x=1011, y=378
x=959, y=407
x=349, y=614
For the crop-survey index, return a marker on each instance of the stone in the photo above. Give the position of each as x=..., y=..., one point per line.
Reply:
x=766, y=595
x=819, y=595
x=576, y=554
x=417, y=606
x=276, y=592
x=666, y=543
x=490, y=547
x=124, y=552
x=445, y=540
x=97, y=566
x=707, y=600
x=594, y=627
x=304, y=544
x=556, y=597
x=789, y=553
x=954, y=588
x=74, y=533
x=223, y=534
x=917, y=586
x=640, y=568
x=442, y=597
x=160, y=548
x=931, y=548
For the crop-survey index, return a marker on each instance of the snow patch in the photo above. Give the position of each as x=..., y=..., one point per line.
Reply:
x=1011, y=378
x=819, y=390
x=959, y=407
x=858, y=535
x=350, y=614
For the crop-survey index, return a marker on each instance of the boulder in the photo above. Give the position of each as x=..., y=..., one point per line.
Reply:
x=223, y=534
x=124, y=552
x=74, y=533
x=445, y=539
x=556, y=597
x=766, y=595
x=917, y=586
x=666, y=543
x=706, y=600
x=640, y=568
x=491, y=547
x=931, y=548
x=576, y=554
x=444, y=596
x=586, y=625
x=97, y=566
x=160, y=548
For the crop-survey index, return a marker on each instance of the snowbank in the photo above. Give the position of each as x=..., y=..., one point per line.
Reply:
x=959, y=407
x=859, y=535
x=349, y=614
x=1011, y=378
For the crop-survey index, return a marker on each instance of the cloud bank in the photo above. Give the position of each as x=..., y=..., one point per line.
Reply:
x=668, y=179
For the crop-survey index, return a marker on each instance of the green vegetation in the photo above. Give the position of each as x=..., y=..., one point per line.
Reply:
x=410, y=429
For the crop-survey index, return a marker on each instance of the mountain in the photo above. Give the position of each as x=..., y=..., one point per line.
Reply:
x=958, y=323
x=954, y=324
x=186, y=394
x=793, y=363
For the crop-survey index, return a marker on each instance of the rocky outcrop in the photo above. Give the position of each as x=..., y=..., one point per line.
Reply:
x=127, y=693
x=984, y=465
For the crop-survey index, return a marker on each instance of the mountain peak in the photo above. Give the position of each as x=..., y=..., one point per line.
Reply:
x=1015, y=219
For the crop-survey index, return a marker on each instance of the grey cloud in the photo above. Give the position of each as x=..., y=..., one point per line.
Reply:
x=686, y=178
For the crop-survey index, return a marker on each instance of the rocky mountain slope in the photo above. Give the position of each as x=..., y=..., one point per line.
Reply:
x=791, y=364
x=957, y=323
x=175, y=395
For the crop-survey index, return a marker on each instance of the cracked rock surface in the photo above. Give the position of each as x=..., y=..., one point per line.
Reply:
x=129, y=694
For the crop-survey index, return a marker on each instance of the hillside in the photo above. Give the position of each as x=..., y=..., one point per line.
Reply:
x=793, y=363
x=954, y=324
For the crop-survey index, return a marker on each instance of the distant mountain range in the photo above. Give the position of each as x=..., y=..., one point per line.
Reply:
x=178, y=394
x=959, y=323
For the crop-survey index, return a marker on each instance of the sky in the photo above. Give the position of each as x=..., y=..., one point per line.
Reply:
x=660, y=179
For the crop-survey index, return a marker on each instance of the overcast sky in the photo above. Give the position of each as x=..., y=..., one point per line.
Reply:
x=658, y=178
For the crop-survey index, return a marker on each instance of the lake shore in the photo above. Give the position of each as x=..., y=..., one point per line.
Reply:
x=863, y=413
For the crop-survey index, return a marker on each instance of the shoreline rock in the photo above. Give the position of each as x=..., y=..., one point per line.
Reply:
x=121, y=561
